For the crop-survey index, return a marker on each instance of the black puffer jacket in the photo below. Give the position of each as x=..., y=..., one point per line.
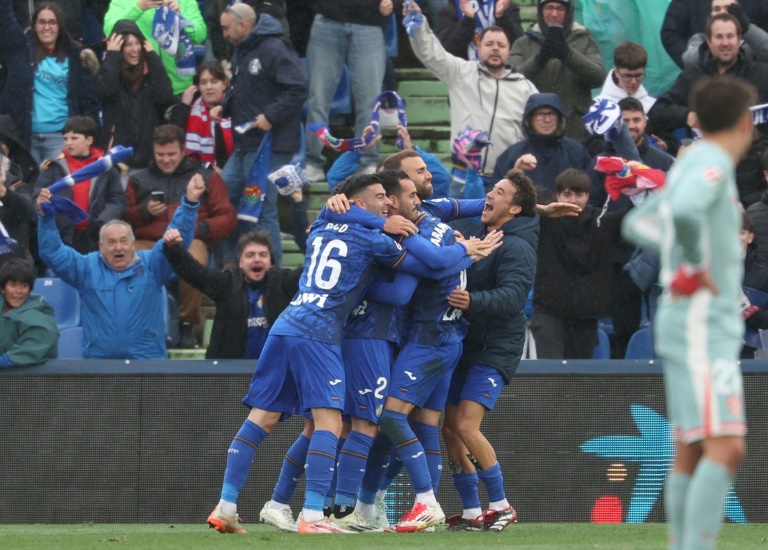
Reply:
x=229, y=290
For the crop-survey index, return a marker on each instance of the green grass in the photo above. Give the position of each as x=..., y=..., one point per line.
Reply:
x=539, y=536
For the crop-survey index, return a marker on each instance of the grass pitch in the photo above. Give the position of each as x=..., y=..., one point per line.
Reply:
x=538, y=536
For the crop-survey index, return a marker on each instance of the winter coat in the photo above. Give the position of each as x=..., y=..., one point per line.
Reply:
x=477, y=99
x=553, y=153
x=17, y=213
x=758, y=213
x=498, y=287
x=17, y=152
x=573, y=277
x=216, y=217
x=122, y=312
x=28, y=333
x=267, y=79
x=457, y=34
x=573, y=78
x=189, y=9
x=229, y=290
x=755, y=45
x=107, y=199
x=130, y=119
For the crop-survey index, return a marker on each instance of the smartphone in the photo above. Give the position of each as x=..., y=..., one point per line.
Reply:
x=158, y=196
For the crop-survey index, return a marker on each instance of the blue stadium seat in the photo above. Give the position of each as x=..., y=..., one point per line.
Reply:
x=603, y=347
x=342, y=99
x=641, y=345
x=64, y=300
x=71, y=343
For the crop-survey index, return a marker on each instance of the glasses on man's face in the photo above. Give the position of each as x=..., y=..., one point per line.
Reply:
x=555, y=7
x=629, y=77
x=545, y=114
x=47, y=23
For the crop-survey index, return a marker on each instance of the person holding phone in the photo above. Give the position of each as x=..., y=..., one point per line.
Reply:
x=560, y=56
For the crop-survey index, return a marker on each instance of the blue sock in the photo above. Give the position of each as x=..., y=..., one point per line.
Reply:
x=378, y=460
x=430, y=440
x=466, y=486
x=240, y=456
x=394, y=469
x=494, y=482
x=321, y=463
x=351, y=467
x=292, y=470
x=330, y=496
x=409, y=449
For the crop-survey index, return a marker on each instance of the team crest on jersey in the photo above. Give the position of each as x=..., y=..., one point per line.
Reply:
x=378, y=410
x=254, y=67
x=712, y=175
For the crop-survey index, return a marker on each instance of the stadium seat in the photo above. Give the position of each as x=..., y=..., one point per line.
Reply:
x=64, y=300
x=603, y=347
x=641, y=345
x=71, y=343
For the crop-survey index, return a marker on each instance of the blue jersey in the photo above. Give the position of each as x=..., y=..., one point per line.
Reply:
x=448, y=210
x=338, y=268
x=431, y=321
x=373, y=319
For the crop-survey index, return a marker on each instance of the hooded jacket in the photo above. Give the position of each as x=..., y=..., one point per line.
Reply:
x=553, y=153
x=216, y=217
x=477, y=99
x=121, y=312
x=28, y=333
x=573, y=78
x=130, y=118
x=498, y=287
x=107, y=199
x=17, y=214
x=267, y=79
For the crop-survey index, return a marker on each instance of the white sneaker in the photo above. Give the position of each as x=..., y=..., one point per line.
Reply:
x=357, y=523
x=421, y=517
x=281, y=517
x=379, y=518
x=314, y=173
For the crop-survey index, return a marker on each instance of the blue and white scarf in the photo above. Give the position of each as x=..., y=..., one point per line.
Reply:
x=252, y=201
x=485, y=16
x=168, y=29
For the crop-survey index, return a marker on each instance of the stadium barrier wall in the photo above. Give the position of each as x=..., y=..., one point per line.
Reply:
x=146, y=442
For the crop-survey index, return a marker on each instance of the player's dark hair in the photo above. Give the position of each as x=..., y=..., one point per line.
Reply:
x=390, y=179
x=722, y=17
x=256, y=237
x=84, y=125
x=630, y=55
x=631, y=104
x=721, y=101
x=17, y=270
x=168, y=133
x=392, y=162
x=525, y=192
x=574, y=179
x=355, y=184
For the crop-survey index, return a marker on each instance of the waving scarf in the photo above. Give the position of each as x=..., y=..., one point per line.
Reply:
x=485, y=16
x=168, y=29
x=252, y=201
x=201, y=135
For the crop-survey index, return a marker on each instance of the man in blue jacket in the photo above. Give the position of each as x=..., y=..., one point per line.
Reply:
x=120, y=288
x=268, y=91
x=493, y=304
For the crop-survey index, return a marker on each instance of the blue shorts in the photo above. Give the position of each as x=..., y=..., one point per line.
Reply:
x=421, y=374
x=291, y=367
x=479, y=383
x=367, y=363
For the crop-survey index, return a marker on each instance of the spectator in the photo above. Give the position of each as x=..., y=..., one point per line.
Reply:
x=212, y=13
x=268, y=90
x=28, y=331
x=248, y=298
x=671, y=110
x=758, y=212
x=459, y=25
x=12, y=147
x=152, y=202
x=17, y=211
x=547, y=151
x=626, y=78
x=685, y=18
x=755, y=39
x=558, y=55
x=120, y=288
x=143, y=12
x=209, y=139
x=50, y=84
x=571, y=290
x=102, y=197
x=485, y=95
x=755, y=278
x=135, y=90
x=352, y=33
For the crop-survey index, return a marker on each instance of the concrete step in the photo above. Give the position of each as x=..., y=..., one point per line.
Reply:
x=429, y=110
x=414, y=88
x=411, y=74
